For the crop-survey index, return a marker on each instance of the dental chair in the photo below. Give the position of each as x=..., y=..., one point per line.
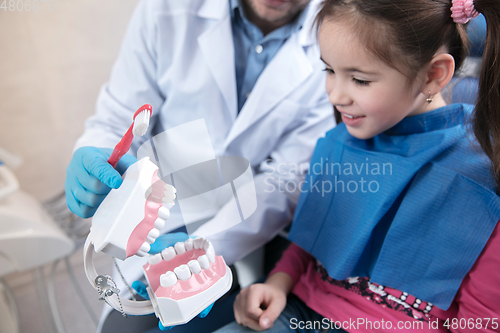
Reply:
x=463, y=88
x=29, y=238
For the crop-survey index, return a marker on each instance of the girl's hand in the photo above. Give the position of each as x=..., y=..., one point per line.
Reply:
x=259, y=305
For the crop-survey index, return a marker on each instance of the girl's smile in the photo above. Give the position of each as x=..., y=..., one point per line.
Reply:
x=351, y=120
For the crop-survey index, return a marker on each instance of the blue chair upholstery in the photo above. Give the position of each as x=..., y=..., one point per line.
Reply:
x=464, y=88
x=477, y=36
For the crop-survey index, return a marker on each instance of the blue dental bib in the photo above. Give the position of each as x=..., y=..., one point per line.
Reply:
x=411, y=208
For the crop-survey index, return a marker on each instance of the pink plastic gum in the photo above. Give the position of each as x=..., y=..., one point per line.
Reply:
x=151, y=207
x=184, y=298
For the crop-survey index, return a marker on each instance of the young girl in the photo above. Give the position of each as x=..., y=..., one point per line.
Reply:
x=396, y=225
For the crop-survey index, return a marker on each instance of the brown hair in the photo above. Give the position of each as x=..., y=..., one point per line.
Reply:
x=486, y=121
x=407, y=34
x=404, y=34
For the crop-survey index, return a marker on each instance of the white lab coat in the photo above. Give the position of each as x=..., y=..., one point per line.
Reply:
x=178, y=56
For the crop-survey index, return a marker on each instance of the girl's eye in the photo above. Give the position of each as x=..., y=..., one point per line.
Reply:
x=361, y=82
x=329, y=70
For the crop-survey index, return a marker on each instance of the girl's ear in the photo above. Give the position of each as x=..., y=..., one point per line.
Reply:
x=439, y=73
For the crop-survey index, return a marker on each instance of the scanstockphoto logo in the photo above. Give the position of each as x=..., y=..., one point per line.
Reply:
x=326, y=177
x=206, y=184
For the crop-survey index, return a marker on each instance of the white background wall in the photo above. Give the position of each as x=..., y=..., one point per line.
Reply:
x=52, y=65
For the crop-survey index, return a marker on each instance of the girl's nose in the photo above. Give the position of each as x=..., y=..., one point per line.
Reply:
x=339, y=96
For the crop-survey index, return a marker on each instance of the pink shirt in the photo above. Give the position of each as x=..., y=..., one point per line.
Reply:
x=356, y=305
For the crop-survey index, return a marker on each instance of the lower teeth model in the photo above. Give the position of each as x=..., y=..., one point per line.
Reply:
x=183, y=279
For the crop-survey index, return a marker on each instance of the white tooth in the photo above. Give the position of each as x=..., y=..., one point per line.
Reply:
x=141, y=253
x=154, y=233
x=180, y=248
x=168, y=279
x=170, y=188
x=204, y=262
x=168, y=253
x=155, y=259
x=168, y=205
x=163, y=213
x=199, y=243
x=210, y=252
x=169, y=194
x=159, y=223
x=167, y=199
x=206, y=244
x=145, y=247
x=194, y=266
x=182, y=272
x=189, y=244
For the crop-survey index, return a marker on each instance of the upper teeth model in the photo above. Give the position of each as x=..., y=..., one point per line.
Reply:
x=130, y=218
x=184, y=279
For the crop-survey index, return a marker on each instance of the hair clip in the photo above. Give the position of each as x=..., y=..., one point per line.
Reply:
x=463, y=10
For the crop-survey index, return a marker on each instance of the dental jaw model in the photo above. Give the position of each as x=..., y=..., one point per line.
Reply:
x=183, y=279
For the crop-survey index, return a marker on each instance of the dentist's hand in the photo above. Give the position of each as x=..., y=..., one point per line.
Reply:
x=271, y=296
x=89, y=178
x=161, y=243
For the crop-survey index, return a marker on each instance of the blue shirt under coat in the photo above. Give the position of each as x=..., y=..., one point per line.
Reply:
x=252, y=50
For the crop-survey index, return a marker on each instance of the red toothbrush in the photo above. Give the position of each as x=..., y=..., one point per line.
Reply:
x=138, y=128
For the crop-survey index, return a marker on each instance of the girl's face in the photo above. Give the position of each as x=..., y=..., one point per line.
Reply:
x=371, y=96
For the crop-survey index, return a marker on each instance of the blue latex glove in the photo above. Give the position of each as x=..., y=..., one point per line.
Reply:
x=161, y=243
x=166, y=240
x=89, y=178
x=140, y=287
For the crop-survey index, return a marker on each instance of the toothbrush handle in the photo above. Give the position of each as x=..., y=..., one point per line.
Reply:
x=121, y=147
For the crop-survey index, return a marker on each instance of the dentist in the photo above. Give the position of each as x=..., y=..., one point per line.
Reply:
x=250, y=68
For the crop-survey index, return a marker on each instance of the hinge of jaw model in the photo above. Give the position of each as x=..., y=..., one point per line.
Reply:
x=183, y=279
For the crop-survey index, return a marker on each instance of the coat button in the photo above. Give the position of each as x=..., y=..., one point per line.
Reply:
x=259, y=49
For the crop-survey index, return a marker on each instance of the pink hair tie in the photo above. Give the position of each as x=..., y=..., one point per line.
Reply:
x=463, y=10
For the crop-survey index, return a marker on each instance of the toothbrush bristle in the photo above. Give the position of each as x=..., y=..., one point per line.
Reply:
x=141, y=123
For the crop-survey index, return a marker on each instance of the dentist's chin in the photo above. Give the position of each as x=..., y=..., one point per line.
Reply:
x=276, y=3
